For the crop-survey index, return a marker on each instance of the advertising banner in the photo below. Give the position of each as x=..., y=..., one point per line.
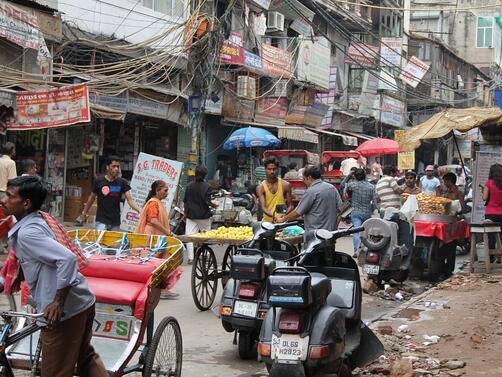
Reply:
x=362, y=54
x=414, y=72
x=392, y=111
x=52, y=108
x=148, y=169
x=232, y=50
x=390, y=51
x=276, y=61
x=484, y=160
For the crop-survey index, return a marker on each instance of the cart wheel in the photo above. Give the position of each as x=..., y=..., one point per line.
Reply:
x=433, y=260
x=225, y=266
x=165, y=354
x=204, y=278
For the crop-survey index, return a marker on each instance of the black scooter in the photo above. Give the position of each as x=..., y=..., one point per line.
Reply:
x=244, y=301
x=314, y=323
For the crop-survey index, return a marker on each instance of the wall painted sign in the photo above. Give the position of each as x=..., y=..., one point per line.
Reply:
x=148, y=169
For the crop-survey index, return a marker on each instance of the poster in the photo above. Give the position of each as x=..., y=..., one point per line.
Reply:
x=52, y=108
x=406, y=160
x=148, y=169
x=414, y=72
x=481, y=171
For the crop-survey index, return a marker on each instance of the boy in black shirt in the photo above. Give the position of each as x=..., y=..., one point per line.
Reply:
x=109, y=189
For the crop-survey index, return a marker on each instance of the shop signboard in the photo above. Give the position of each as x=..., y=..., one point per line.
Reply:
x=144, y=106
x=52, y=108
x=314, y=62
x=149, y=168
x=253, y=62
x=265, y=4
x=18, y=26
x=390, y=51
x=276, y=61
x=392, y=111
x=113, y=102
x=414, y=72
x=369, y=99
x=484, y=160
x=328, y=98
x=301, y=26
x=232, y=50
x=362, y=54
x=271, y=110
x=315, y=114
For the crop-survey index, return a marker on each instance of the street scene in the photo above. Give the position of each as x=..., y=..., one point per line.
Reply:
x=283, y=188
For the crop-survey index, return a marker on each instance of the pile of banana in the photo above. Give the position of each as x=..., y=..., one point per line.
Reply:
x=230, y=233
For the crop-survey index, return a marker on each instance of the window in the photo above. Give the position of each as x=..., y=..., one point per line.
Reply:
x=356, y=77
x=484, y=32
x=170, y=7
x=424, y=51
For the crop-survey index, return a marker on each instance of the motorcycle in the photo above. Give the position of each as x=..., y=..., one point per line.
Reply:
x=314, y=321
x=387, y=247
x=233, y=207
x=176, y=220
x=244, y=301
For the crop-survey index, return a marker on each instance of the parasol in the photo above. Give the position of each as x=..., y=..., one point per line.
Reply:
x=251, y=137
x=378, y=146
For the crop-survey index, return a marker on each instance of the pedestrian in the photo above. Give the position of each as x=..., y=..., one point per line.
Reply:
x=319, y=205
x=28, y=167
x=292, y=172
x=273, y=191
x=460, y=178
x=410, y=183
x=7, y=166
x=154, y=220
x=350, y=177
x=197, y=204
x=376, y=168
x=51, y=271
x=492, y=195
x=430, y=184
x=363, y=199
x=108, y=189
x=388, y=191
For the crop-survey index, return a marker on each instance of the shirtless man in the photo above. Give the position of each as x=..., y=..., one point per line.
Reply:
x=273, y=191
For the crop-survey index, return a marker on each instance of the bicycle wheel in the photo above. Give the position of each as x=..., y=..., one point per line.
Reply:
x=165, y=354
x=204, y=278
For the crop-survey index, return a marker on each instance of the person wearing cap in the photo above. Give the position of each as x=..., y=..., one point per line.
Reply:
x=429, y=184
x=410, y=183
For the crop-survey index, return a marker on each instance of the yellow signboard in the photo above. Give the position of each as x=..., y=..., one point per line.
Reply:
x=406, y=160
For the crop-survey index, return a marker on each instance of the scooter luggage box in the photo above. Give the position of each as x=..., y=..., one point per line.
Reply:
x=248, y=267
x=290, y=291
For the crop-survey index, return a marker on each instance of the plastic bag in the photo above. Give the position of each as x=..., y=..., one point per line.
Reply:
x=292, y=231
x=410, y=207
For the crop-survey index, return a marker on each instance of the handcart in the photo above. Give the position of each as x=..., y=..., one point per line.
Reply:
x=126, y=276
x=205, y=270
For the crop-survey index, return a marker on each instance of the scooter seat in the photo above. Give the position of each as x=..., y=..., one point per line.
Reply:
x=321, y=288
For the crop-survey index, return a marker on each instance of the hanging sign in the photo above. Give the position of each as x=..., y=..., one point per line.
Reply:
x=361, y=54
x=390, y=51
x=52, y=108
x=232, y=50
x=414, y=72
x=147, y=170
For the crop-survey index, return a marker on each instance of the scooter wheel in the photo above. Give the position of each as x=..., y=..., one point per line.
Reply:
x=247, y=346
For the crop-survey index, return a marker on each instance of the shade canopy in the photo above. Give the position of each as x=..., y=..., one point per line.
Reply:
x=378, y=146
x=446, y=121
x=251, y=137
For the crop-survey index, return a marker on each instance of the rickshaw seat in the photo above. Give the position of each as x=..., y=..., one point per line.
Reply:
x=112, y=291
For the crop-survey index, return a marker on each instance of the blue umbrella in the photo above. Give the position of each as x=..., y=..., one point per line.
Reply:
x=250, y=137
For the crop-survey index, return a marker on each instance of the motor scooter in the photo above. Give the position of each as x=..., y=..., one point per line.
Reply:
x=244, y=301
x=387, y=247
x=314, y=321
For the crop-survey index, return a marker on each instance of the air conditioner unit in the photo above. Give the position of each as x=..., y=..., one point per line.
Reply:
x=275, y=21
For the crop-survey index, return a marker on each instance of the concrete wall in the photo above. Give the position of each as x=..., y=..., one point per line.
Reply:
x=127, y=19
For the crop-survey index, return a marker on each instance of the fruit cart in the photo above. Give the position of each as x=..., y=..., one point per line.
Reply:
x=437, y=235
x=205, y=270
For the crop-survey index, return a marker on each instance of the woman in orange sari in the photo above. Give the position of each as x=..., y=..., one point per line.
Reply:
x=155, y=220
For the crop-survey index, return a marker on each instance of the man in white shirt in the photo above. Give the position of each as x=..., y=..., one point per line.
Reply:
x=460, y=179
x=428, y=183
x=7, y=166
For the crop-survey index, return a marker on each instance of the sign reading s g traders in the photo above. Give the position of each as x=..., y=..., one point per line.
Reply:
x=52, y=108
x=148, y=169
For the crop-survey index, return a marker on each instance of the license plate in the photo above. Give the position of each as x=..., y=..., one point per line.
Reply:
x=290, y=347
x=371, y=269
x=245, y=308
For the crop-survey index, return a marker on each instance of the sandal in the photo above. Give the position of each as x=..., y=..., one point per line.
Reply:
x=169, y=296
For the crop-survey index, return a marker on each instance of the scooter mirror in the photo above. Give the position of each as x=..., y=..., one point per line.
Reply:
x=323, y=234
x=267, y=226
x=281, y=209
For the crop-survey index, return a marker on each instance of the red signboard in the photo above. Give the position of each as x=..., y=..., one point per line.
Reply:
x=52, y=108
x=276, y=61
x=232, y=50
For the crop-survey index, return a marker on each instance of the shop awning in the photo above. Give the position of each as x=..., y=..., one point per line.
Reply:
x=298, y=133
x=449, y=120
x=347, y=140
x=100, y=111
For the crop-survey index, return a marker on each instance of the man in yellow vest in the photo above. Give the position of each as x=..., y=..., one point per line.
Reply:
x=273, y=191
